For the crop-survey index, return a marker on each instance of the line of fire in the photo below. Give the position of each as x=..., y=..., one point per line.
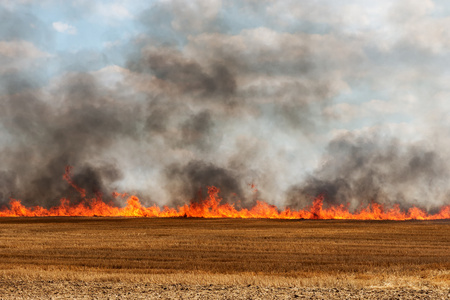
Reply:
x=211, y=207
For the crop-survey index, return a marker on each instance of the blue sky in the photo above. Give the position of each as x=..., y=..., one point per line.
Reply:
x=242, y=91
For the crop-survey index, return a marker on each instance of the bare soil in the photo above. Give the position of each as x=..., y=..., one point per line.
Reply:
x=104, y=290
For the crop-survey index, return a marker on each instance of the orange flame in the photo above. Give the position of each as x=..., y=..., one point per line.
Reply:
x=211, y=208
x=69, y=180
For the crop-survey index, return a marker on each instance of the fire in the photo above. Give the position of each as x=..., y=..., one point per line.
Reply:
x=211, y=207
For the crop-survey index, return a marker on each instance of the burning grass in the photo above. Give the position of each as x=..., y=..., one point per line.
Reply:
x=211, y=207
x=227, y=251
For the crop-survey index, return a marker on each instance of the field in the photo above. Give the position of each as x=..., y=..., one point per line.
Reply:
x=182, y=257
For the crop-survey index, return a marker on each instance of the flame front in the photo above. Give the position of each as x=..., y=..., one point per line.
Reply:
x=211, y=208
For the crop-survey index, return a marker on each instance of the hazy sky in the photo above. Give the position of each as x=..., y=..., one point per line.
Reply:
x=161, y=98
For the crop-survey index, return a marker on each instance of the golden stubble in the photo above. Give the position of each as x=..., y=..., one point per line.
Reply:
x=227, y=251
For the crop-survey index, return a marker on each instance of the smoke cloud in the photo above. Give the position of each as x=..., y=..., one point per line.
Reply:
x=359, y=170
x=300, y=100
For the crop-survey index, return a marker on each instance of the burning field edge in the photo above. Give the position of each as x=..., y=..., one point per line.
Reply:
x=212, y=207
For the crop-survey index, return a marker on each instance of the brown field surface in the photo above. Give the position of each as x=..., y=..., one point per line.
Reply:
x=191, y=258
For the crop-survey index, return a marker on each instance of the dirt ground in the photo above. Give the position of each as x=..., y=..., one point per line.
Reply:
x=105, y=290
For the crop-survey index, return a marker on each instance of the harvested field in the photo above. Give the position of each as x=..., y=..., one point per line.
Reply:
x=200, y=257
x=127, y=290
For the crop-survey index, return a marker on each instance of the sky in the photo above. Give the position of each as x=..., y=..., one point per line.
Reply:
x=345, y=99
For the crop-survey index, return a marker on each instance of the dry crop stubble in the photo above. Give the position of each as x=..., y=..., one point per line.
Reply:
x=227, y=251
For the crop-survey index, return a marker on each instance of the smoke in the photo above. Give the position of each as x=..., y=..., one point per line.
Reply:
x=198, y=94
x=49, y=132
x=189, y=181
x=78, y=119
x=358, y=170
x=186, y=75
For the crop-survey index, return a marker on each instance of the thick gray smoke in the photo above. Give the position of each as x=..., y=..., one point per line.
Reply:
x=49, y=132
x=190, y=181
x=362, y=169
x=228, y=94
